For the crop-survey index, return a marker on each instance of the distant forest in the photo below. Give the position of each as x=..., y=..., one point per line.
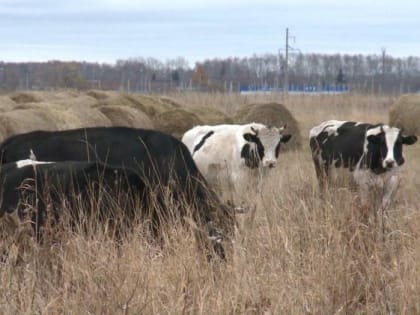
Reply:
x=363, y=73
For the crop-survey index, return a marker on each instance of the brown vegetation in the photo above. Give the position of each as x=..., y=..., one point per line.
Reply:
x=296, y=254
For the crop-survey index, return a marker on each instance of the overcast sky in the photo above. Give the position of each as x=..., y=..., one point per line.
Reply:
x=108, y=30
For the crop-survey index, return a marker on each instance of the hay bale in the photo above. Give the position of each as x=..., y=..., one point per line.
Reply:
x=40, y=106
x=126, y=116
x=405, y=113
x=25, y=120
x=241, y=112
x=169, y=101
x=6, y=104
x=25, y=97
x=176, y=122
x=212, y=116
x=152, y=106
x=81, y=116
x=273, y=114
x=98, y=95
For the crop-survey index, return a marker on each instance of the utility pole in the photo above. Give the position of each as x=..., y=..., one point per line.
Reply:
x=382, y=83
x=286, y=65
x=288, y=48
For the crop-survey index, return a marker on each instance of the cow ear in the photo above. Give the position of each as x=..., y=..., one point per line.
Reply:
x=285, y=138
x=376, y=139
x=254, y=130
x=409, y=139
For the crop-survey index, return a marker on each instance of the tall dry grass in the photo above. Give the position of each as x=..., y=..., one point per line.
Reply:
x=295, y=254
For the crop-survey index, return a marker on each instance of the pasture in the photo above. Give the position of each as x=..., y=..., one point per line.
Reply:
x=293, y=254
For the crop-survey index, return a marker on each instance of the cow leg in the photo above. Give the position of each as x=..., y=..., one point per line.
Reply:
x=322, y=176
x=390, y=186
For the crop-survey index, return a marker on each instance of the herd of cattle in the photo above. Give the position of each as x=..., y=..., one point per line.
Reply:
x=153, y=177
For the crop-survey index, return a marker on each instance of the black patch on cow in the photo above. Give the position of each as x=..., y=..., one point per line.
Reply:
x=252, y=152
x=202, y=141
x=376, y=153
x=284, y=139
x=343, y=149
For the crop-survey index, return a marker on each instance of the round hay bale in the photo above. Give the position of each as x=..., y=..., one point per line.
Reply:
x=6, y=104
x=126, y=116
x=76, y=100
x=176, y=122
x=98, y=95
x=169, y=101
x=25, y=120
x=152, y=106
x=241, y=112
x=212, y=116
x=40, y=106
x=25, y=97
x=272, y=114
x=81, y=116
x=405, y=113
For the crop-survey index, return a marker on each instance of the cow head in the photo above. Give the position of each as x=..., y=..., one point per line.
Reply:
x=384, y=147
x=263, y=145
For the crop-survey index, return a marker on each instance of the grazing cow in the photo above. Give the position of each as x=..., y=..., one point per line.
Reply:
x=373, y=154
x=39, y=191
x=163, y=163
x=237, y=150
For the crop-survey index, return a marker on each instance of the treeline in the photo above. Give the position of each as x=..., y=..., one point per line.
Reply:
x=365, y=73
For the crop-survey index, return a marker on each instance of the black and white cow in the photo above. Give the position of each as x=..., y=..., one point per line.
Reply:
x=162, y=162
x=372, y=153
x=240, y=151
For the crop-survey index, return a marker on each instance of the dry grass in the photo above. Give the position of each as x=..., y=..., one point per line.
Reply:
x=296, y=254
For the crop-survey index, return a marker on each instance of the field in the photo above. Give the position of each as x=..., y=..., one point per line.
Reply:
x=296, y=254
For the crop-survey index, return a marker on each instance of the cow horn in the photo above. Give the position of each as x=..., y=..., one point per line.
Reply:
x=254, y=130
x=283, y=128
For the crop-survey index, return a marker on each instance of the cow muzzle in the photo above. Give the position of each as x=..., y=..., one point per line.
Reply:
x=388, y=164
x=269, y=164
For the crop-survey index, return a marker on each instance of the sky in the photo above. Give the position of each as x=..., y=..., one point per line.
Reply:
x=105, y=31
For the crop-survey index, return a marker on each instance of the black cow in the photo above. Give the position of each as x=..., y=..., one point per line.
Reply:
x=372, y=153
x=163, y=163
x=84, y=191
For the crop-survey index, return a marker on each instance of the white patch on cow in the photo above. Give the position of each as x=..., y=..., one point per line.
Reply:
x=23, y=163
x=329, y=126
x=32, y=155
x=391, y=136
x=193, y=136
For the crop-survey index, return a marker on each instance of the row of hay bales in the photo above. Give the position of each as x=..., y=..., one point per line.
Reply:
x=27, y=111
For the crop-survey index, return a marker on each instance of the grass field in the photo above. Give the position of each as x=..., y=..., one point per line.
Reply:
x=297, y=254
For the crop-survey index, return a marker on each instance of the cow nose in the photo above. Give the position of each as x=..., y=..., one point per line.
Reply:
x=270, y=164
x=389, y=164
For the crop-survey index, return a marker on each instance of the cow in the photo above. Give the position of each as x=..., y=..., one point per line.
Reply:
x=371, y=153
x=162, y=162
x=242, y=152
x=85, y=192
